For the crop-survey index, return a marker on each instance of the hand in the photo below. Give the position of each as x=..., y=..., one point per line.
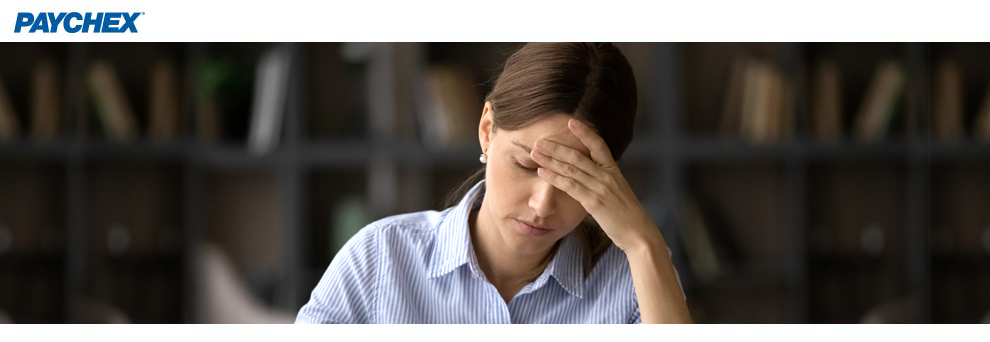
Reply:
x=598, y=185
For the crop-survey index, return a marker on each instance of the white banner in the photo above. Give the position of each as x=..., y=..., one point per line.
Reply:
x=502, y=20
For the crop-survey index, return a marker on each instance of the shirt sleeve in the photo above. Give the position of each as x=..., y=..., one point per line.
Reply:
x=636, y=318
x=347, y=291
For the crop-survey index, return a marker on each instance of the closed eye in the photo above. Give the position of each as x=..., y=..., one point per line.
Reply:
x=522, y=167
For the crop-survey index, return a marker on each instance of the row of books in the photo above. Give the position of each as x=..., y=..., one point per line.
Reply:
x=45, y=109
x=47, y=116
x=758, y=104
x=223, y=88
x=113, y=108
x=872, y=119
x=949, y=113
x=947, y=119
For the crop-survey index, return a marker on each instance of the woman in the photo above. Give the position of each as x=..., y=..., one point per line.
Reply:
x=547, y=232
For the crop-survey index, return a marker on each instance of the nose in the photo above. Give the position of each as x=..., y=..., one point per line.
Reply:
x=543, y=199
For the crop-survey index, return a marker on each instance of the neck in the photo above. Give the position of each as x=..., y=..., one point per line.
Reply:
x=502, y=265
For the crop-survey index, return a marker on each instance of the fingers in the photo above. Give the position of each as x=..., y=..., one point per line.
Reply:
x=570, y=186
x=599, y=150
x=563, y=169
x=567, y=155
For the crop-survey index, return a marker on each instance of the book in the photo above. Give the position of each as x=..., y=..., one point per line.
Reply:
x=758, y=102
x=729, y=121
x=450, y=106
x=880, y=103
x=433, y=122
x=762, y=103
x=164, y=118
x=711, y=253
x=981, y=125
x=698, y=243
x=271, y=88
x=113, y=109
x=788, y=105
x=46, y=100
x=456, y=86
x=10, y=125
x=773, y=128
x=826, y=101
x=755, y=88
x=947, y=101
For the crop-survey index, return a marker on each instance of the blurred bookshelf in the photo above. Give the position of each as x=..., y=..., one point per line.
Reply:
x=794, y=182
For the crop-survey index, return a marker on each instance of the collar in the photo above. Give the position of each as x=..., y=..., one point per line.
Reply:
x=452, y=243
x=452, y=248
x=566, y=266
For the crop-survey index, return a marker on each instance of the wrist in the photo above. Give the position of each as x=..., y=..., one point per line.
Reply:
x=648, y=241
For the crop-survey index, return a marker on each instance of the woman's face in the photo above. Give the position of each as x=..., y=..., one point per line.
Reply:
x=515, y=195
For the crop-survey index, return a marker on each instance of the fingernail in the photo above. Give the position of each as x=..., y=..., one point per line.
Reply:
x=541, y=143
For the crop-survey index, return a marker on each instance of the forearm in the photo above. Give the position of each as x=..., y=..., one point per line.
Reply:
x=657, y=290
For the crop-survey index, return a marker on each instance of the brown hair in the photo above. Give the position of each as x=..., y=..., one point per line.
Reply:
x=592, y=81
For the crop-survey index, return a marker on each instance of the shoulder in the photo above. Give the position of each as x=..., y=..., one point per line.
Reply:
x=409, y=230
x=409, y=224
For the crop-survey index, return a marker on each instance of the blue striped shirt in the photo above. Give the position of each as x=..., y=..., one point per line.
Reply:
x=421, y=268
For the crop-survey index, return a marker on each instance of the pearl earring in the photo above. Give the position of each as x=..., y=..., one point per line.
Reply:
x=483, y=158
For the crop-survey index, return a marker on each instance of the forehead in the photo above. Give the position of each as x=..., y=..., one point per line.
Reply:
x=552, y=128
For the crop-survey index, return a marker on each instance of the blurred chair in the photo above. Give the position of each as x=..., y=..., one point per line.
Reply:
x=99, y=312
x=223, y=297
x=895, y=311
x=5, y=318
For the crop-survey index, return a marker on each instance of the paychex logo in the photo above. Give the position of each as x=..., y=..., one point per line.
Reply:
x=76, y=22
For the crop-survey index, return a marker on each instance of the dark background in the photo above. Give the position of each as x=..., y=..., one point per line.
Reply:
x=97, y=231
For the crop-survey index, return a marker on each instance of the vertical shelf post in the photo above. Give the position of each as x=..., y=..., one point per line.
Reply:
x=671, y=165
x=75, y=283
x=288, y=292
x=917, y=183
x=795, y=265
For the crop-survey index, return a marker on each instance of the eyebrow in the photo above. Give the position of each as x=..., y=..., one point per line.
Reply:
x=528, y=150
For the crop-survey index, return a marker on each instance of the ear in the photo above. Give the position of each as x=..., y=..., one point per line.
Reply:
x=486, y=127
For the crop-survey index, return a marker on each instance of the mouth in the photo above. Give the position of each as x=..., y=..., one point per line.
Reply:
x=531, y=229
